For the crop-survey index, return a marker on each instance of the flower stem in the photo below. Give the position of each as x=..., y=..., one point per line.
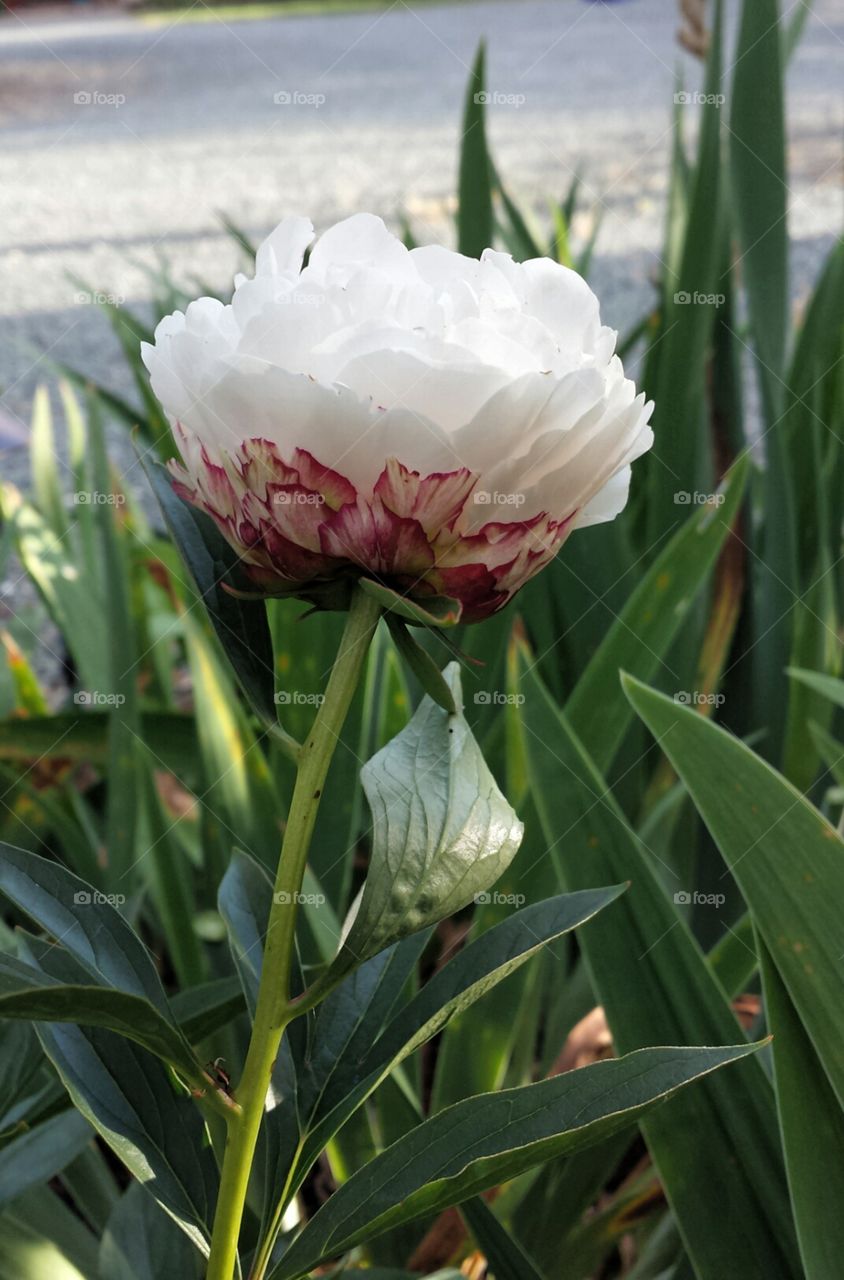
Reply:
x=274, y=1009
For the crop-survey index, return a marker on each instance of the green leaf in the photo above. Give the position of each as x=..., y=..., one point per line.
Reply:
x=786, y=858
x=640, y=637
x=828, y=686
x=812, y=1126
x=442, y=830
x=241, y=625
x=25, y=992
x=506, y=1257
x=78, y=609
x=422, y=665
x=467, y=977
x=489, y=1139
x=42, y=1239
x=434, y=611
x=678, y=461
x=202, y=1010
x=129, y=1099
x=655, y=985
x=40, y=1153
x=84, y=736
x=84, y=922
x=46, y=481
x=474, y=196
x=142, y=1243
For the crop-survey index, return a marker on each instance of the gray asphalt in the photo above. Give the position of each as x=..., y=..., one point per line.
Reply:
x=120, y=144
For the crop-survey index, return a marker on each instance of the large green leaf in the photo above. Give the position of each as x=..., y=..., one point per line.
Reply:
x=651, y=977
x=41, y=1152
x=812, y=1124
x=84, y=922
x=640, y=637
x=442, y=830
x=786, y=858
x=129, y=1099
x=492, y=1138
x=25, y=992
x=142, y=1243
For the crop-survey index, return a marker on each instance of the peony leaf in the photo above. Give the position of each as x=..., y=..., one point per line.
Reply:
x=84, y=922
x=142, y=1243
x=442, y=830
x=491, y=1138
x=25, y=992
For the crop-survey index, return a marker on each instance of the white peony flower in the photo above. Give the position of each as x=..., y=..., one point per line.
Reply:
x=437, y=423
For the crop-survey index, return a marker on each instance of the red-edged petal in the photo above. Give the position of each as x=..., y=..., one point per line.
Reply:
x=376, y=539
x=434, y=500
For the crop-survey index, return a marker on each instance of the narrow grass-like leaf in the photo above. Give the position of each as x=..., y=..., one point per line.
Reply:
x=786, y=858
x=474, y=210
x=812, y=1124
x=639, y=639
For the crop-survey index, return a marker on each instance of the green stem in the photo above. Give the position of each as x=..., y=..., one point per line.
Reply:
x=274, y=1010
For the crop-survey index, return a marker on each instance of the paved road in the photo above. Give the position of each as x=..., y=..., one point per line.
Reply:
x=120, y=142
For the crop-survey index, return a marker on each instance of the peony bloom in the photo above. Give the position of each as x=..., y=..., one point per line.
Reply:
x=436, y=423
